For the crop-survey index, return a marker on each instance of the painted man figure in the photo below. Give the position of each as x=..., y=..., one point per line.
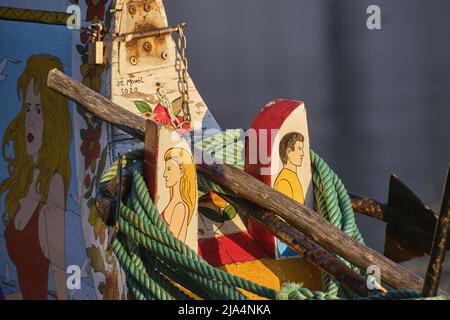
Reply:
x=291, y=155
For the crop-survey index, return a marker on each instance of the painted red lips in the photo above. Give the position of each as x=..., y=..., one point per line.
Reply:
x=30, y=137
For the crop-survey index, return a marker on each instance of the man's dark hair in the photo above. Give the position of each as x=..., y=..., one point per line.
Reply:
x=288, y=142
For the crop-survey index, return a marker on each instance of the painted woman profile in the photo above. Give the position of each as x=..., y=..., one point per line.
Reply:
x=180, y=178
x=39, y=175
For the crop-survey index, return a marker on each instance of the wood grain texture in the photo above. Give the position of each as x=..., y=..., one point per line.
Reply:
x=151, y=156
x=314, y=253
x=98, y=105
x=440, y=243
x=311, y=224
x=244, y=185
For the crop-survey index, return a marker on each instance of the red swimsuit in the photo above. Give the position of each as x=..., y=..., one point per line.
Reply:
x=25, y=251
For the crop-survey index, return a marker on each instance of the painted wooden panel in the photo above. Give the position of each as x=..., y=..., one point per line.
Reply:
x=41, y=231
x=93, y=156
x=172, y=180
x=277, y=153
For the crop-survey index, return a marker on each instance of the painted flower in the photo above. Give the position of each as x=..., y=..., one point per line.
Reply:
x=162, y=117
x=111, y=291
x=95, y=10
x=92, y=76
x=84, y=37
x=90, y=147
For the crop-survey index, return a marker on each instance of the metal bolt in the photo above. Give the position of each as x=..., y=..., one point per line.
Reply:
x=164, y=55
x=147, y=46
x=132, y=9
x=133, y=60
x=146, y=7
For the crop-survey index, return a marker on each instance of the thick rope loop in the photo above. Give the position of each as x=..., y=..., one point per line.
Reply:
x=154, y=259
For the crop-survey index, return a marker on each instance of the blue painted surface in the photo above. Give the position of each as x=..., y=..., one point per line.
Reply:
x=19, y=41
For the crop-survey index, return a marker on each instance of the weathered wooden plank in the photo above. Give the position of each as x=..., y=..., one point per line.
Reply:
x=311, y=224
x=441, y=239
x=171, y=176
x=278, y=154
x=244, y=185
x=318, y=256
x=368, y=207
x=102, y=107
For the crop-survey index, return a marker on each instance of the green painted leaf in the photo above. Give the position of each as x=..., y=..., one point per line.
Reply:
x=229, y=213
x=108, y=15
x=143, y=106
x=102, y=162
x=101, y=287
x=81, y=49
x=82, y=112
x=96, y=259
x=211, y=214
x=90, y=203
x=87, y=194
x=83, y=133
x=84, y=58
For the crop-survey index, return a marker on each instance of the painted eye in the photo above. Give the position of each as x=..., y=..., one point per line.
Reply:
x=38, y=110
x=27, y=108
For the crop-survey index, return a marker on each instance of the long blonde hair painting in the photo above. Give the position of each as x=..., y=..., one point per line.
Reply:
x=179, y=175
x=39, y=174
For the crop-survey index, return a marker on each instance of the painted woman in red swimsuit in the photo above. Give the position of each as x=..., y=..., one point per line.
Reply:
x=39, y=176
x=180, y=178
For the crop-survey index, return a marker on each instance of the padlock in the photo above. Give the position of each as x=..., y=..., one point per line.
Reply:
x=95, y=52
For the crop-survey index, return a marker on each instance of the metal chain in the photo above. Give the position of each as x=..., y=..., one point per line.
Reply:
x=182, y=44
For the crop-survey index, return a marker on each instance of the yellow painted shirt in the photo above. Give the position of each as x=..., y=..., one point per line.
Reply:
x=287, y=182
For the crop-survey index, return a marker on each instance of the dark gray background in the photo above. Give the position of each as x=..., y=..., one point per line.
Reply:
x=378, y=100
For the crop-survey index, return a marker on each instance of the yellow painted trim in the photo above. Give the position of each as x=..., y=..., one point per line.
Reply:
x=38, y=16
x=274, y=273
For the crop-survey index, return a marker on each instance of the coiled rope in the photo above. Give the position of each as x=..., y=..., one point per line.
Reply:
x=157, y=264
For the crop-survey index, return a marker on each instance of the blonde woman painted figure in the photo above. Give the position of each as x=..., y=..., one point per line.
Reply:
x=39, y=176
x=179, y=175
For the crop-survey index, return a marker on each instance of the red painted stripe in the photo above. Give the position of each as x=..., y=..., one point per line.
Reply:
x=265, y=119
x=238, y=247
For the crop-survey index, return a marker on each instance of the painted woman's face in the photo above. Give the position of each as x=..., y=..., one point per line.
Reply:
x=172, y=173
x=34, y=123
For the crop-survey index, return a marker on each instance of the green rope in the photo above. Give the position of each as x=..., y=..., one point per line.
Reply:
x=294, y=291
x=153, y=259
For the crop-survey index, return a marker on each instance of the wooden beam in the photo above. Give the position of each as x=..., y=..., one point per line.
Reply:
x=97, y=104
x=301, y=244
x=368, y=207
x=151, y=155
x=246, y=186
x=441, y=238
x=311, y=224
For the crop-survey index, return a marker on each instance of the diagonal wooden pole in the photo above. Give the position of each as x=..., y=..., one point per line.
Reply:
x=441, y=238
x=246, y=186
x=301, y=244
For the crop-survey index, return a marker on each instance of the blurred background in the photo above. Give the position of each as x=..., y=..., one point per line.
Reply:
x=378, y=100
